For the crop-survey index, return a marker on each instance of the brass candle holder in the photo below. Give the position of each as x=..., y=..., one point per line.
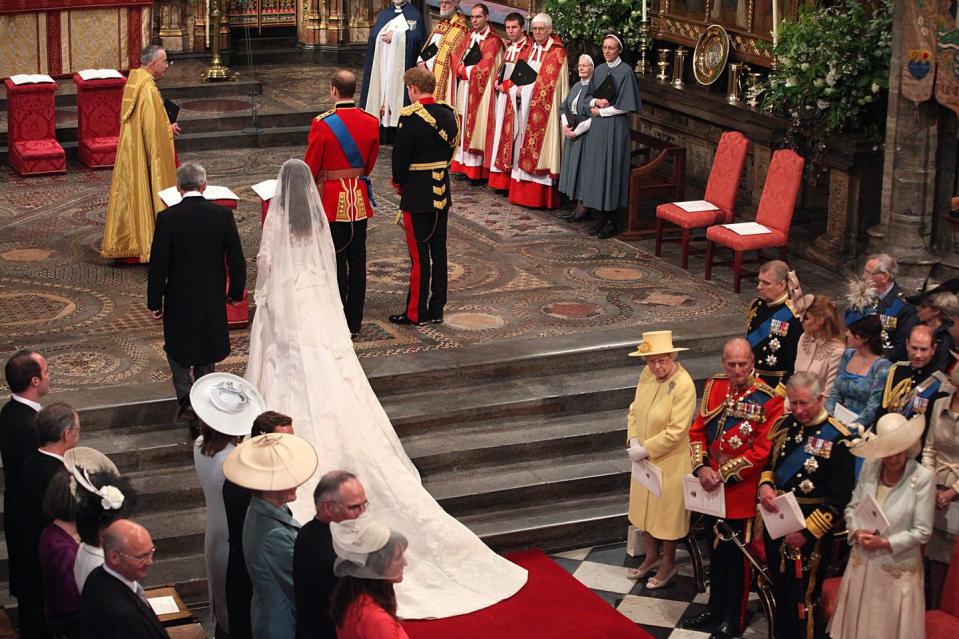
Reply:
x=679, y=67
x=754, y=88
x=643, y=66
x=217, y=72
x=734, y=90
x=663, y=64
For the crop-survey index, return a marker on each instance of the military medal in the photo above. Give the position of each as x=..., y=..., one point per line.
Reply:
x=735, y=442
x=774, y=345
x=919, y=404
x=889, y=322
x=819, y=447
x=806, y=486
x=745, y=429
x=811, y=465
x=771, y=360
x=778, y=327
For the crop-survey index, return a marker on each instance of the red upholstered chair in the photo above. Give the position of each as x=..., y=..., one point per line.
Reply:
x=31, y=129
x=775, y=212
x=943, y=623
x=721, y=190
x=98, y=119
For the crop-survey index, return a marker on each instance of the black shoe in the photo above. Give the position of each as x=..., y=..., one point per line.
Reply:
x=354, y=335
x=728, y=630
x=607, y=231
x=596, y=228
x=564, y=215
x=403, y=320
x=705, y=619
x=436, y=320
x=579, y=216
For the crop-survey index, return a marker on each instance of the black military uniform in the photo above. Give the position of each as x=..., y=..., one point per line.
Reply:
x=426, y=137
x=898, y=318
x=773, y=330
x=912, y=391
x=814, y=462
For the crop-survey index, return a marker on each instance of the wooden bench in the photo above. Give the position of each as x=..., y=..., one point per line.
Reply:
x=658, y=172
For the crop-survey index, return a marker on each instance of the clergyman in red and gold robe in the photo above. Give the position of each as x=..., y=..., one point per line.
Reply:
x=473, y=92
x=501, y=130
x=535, y=173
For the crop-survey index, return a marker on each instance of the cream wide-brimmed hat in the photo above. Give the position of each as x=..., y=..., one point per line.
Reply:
x=656, y=343
x=89, y=459
x=894, y=434
x=226, y=403
x=355, y=539
x=276, y=461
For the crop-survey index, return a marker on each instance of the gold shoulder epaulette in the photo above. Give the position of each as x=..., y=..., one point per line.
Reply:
x=791, y=307
x=777, y=428
x=411, y=109
x=764, y=387
x=324, y=114
x=838, y=425
x=368, y=113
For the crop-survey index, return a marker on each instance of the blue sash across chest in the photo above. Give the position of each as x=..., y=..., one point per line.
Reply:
x=761, y=332
x=350, y=150
x=790, y=465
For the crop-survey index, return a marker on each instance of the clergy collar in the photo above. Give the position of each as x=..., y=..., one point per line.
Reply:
x=427, y=99
x=615, y=63
x=345, y=104
x=584, y=82
x=481, y=35
x=29, y=402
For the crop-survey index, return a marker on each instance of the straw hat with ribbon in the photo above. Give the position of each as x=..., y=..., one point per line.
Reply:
x=656, y=343
x=894, y=434
x=226, y=403
x=277, y=461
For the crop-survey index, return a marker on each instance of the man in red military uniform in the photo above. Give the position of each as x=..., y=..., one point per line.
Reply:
x=729, y=445
x=341, y=153
x=476, y=65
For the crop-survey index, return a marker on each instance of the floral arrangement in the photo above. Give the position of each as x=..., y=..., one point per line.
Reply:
x=588, y=22
x=832, y=66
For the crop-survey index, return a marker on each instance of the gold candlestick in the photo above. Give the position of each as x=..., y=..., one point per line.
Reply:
x=643, y=66
x=217, y=72
x=754, y=88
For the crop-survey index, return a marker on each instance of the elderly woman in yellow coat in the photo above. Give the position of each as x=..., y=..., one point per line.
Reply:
x=658, y=430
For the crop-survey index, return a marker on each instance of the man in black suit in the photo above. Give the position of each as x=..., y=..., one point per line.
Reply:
x=339, y=496
x=112, y=605
x=58, y=430
x=425, y=140
x=29, y=380
x=195, y=244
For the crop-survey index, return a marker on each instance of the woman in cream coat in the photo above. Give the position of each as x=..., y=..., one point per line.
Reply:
x=881, y=595
x=658, y=430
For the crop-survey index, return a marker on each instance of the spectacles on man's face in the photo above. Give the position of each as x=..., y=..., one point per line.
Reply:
x=138, y=558
x=353, y=508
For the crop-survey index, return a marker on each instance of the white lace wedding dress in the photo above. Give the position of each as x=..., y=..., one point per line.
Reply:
x=302, y=361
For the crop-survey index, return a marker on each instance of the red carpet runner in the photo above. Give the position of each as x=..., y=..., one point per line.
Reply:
x=552, y=604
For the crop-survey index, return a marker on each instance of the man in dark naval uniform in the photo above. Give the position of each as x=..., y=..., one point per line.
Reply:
x=913, y=385
x=425, y=140
x=343, y=146
x=773, y=327
x=897, y=315
x=811, y=458
x=729, y=447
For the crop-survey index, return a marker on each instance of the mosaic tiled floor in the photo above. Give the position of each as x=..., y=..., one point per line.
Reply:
x=513, y=273
x=603, y=570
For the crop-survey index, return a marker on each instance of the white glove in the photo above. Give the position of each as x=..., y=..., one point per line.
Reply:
x=636, y=452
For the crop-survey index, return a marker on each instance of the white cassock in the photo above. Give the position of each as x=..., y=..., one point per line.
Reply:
x=385, y=97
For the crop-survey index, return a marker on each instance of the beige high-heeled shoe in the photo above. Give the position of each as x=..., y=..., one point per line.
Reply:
x=636, y=573
x=656, y=584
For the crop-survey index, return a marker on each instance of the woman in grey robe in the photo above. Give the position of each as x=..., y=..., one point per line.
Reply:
x=605, y=158
x=575, y=132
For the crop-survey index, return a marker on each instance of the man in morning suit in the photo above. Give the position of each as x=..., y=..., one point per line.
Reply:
x=729, y=447
x=29, y=380
x=811, y=458
x=195, y=244
x=424, y=147
x=897, y=315
x=58, y=430
x=339, y=496
x=914, y=384
x=341, y=153
x=112, y=604
x=773, y=327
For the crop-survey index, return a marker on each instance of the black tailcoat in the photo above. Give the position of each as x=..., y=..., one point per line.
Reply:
x=18, y=441
x=109, y=609
x=193, y=244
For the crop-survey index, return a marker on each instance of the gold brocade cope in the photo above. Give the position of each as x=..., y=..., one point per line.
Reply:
x=145, y=165
x=453, y=30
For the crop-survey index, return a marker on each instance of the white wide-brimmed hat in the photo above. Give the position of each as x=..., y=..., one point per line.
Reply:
x=226, y=403
x=656, y=343
x=89, y=459
x=355, y=539
x=894, y=434
x=276, y=461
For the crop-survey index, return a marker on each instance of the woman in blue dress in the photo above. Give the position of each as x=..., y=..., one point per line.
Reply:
x=862, y=372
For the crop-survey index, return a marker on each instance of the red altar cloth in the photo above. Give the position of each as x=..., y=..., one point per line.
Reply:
x=31, y=129
x=237, y=315
x=98, y=119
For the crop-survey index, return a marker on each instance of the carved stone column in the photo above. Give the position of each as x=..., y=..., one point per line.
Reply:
x=172, y=22
x=909, y=173
x=310, y=24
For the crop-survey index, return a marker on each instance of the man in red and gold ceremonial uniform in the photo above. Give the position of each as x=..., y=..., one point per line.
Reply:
x=501, y=128
x=341, y=153
x=729, y=445
x=473, y=93
x=535, y=172
x=445, y=40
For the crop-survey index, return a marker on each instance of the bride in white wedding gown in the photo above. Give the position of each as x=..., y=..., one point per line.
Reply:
x=302, y=361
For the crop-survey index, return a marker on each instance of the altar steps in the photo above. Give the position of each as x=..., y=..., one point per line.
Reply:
x=525, y=448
